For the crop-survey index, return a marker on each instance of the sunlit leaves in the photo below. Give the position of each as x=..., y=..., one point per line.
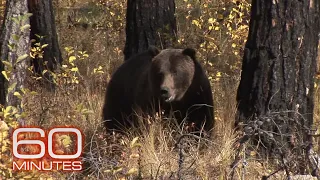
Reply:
x=74, y=69
x=71, y=59
x=17, y=94
x=20, y=58
x=37, y=50
x=219, y=31
x=98, y=70
x=5, y=75
x=70, y=74
x=27, y=26
x=197, y=23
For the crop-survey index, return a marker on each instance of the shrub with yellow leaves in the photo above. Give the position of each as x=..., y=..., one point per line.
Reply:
x=218, y=30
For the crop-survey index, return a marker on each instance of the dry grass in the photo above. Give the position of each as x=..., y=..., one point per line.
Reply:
x=158, y=154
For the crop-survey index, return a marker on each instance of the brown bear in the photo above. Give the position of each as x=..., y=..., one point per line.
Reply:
x=171, y=81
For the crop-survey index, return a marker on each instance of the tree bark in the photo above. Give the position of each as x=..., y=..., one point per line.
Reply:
x=149, y=22
x=276, y=90
x=43, y=24
x=14, y=45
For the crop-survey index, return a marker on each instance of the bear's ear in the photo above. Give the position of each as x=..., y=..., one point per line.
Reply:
x=153, y=50
x=189, y=52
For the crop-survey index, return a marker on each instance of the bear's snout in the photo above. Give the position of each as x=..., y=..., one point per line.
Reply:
x=166, y=95
x=164, y=92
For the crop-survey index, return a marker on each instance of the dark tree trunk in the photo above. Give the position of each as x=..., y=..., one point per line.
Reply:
x=149, y=22
x=276, y=90
x=15, y=45
x=43, y=24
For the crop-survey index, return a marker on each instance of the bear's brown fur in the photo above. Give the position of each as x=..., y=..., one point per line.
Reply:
x=172, y=79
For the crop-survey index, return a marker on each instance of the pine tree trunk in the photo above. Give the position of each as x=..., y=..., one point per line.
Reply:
x=43, y=24
x=276, y=90
x=14, y=34
x=149, y=22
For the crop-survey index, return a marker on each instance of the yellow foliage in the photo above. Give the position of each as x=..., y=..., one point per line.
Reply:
x=221, y=28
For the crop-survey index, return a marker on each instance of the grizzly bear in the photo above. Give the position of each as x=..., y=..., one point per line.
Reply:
x=171, y=80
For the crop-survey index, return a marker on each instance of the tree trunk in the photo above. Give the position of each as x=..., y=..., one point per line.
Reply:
x=14, y=49
x=43, y=24
x=149, y=22
x=276, y=90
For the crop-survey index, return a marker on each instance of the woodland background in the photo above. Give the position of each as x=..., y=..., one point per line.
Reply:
x=91, y=37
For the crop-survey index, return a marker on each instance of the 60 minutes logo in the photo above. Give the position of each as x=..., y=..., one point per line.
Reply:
x=38, y=149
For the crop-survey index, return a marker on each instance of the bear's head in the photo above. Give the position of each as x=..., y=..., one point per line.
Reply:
x=171, y=73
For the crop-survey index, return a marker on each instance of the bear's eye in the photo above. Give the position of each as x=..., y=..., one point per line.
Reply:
x=159, y=76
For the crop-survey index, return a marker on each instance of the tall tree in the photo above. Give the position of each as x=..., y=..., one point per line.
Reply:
x=149, y=22
x=14, y=50
x=15, y=42
x=276, y=90
x=43, y=25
